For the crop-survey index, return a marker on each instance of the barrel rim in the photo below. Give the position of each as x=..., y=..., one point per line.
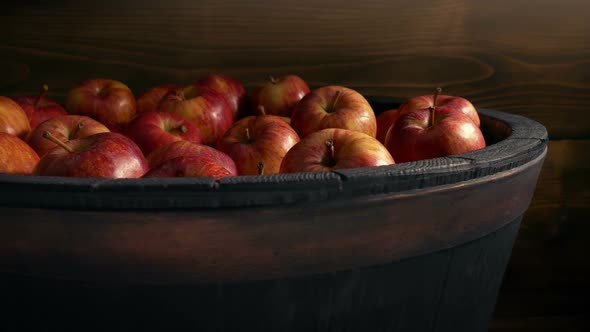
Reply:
x=526, y=139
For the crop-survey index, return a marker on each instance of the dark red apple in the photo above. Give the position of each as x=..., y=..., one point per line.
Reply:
x=106, y=100
x=13, y=120
x=333, y=107
x=64, y=128
x=207, y=109
x=334, y=148
x=16, y=156
x=461, y=104
x=150, y=130
x=149, y=100
x=232, y=89
x=39, y=108
x=433, y=132
x=279, y=95
x=103, y=155
x=256, y=139
x=189, y=149
x=190, y=166
x=385, y=120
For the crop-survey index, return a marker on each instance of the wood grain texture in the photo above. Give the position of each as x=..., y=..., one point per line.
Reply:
x=525, y=57
x=455, y=287
x=262, y=243
x=512, y=141
x=547, y=281
x=531, y=59
x=551, y=248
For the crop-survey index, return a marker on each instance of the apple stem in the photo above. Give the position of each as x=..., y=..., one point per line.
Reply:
x=183, y=129
x=42, y=93
x=273, y=79
x=433, y=107
x=247, y=130
x=260, y=168
x=335, y=100
x=261, y=110
x=331, y=154
x=55, y=140
x=76, y=130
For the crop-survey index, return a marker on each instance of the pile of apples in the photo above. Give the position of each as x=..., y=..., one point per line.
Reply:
x=215, y=128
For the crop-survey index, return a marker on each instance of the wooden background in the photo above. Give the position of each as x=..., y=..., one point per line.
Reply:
x=526, y=57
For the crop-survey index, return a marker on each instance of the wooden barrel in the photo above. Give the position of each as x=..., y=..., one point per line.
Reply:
x=418, y=246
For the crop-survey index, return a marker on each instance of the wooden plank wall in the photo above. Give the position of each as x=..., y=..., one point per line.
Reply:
x=525, y=57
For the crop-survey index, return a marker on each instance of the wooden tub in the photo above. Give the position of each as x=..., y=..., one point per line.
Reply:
x=410, y=247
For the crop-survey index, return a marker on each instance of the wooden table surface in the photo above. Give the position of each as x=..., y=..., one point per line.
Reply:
x=525, y=57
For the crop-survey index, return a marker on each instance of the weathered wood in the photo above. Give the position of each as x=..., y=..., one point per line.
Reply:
x=526, y=140
x=547, y=281
x=511, y=141
x=552, y=240
x=260, y=243
x=277, y=256
x=424, y=293
x=528, y=58
x=483, y=284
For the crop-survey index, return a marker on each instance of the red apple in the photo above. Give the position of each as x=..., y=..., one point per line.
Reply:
x=431, y=133
x=16, y=156
x=232, y=89
x=192, y=166
x=103, y=155
x=13, y=120
x=385, y=120
x=106, y=100
x=333, y=107
x=64, y=128
x=150, y=130
x=422, y=102
x=39, y=108
x=149, y=100
x=334, y=148
x=279, y=95
x=113, y=127
x=189, y=149
x=205, y=108
x=255, y=139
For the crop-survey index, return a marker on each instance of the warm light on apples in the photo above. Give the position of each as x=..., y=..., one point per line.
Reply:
x=150, y=130
x=190, y=166
x=334, y=148
x=149, y=100
x=333, y=107
x=433, y=132
x=258, y=139
x=39, y=108
x=13, y=120
x=189, y=149
x=426, y=101
x=207, y=109
x=16, y=156
x=232, y=89
x=278, y=95
x=103, y=155
x=64, y=128
x=213, y=128
x=106, y=100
